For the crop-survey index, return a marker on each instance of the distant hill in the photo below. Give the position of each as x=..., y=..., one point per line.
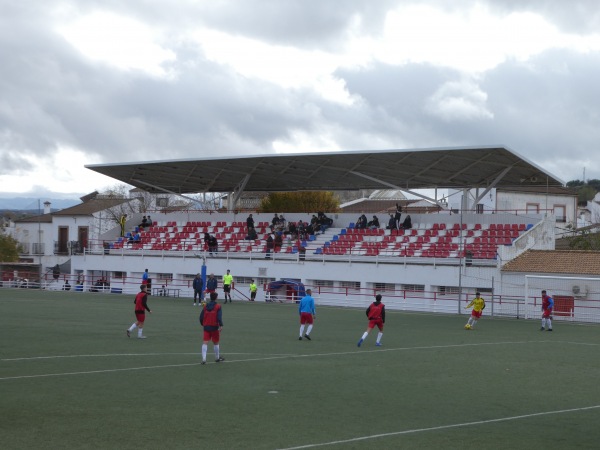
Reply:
x=36, y=204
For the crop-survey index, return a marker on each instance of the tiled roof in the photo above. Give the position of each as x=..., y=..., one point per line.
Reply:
x=91, y=206
x=40, y=218
x=572, y=262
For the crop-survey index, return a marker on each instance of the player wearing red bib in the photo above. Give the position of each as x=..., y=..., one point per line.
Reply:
x=547, y=306
x=211, y=319
x=376, y=315
x=141, y=306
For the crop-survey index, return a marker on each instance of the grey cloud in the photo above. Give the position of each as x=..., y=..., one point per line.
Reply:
x=545, y=109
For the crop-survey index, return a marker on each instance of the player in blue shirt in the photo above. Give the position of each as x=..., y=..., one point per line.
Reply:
x=307, y=314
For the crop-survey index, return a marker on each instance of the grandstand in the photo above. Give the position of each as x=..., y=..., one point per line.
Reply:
x=436, y=265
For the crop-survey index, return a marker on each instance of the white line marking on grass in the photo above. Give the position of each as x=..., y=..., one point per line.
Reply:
x=116, y=354
x=443, y=427
x=90, y=372
x=273, y=357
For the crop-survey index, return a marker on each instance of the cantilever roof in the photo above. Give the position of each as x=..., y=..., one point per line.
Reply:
x=345, y=170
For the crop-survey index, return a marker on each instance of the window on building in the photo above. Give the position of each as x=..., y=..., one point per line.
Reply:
x=349, y=286
x=323, y=285
x=532, y=208
x=560, y=213
x=162, y=202
x=384, y=287
x=448, y=290
x=413, y=287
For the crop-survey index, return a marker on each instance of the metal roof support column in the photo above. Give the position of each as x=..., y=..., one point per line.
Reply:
x=237, y=193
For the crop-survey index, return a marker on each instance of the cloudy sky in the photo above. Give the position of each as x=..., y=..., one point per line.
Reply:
x=116, y=81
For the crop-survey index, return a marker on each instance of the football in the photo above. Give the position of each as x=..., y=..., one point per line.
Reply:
x=467, y=327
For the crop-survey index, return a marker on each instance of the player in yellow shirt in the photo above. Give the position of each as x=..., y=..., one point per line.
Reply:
x=253, y=289
x=227, y=283
x=478, y=305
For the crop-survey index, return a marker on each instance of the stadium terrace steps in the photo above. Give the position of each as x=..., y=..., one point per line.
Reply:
x=437, y=240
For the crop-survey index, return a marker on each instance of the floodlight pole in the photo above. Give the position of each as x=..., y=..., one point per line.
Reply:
x=462, y=250
x=202, y=275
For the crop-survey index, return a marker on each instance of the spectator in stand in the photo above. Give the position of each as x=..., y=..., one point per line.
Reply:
x=213, y=246
x=398, y=215
x=122, y=222
x=407, y=224
x=293, y=230
x=274, y=222
x=392, y=223
x=301, y=230
x=249, y=223
x=206, y=239
x=251, y=236
x=361, y=223
x=314, y=222
x=270, y=246
x=373, y=224
x=150, y=221
x=278, y=242
x=282, y=222
x=324, y=221
x=144, y=222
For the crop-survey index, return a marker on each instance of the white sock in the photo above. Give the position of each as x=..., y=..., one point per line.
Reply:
x=301, y=330
x=216, y=348
x=543, y=322
x=364, y=336
x=309, y=329
x=379, y=336
x=140, y=332
x=549, y=322
x=132, y=327
x=204, y=350
x=474, y=323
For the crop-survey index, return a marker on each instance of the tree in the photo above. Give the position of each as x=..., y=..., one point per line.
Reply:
x=585, y=240
x=300, y=202
x=9, y=249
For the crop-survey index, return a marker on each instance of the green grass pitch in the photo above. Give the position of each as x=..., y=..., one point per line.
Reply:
x=70, y=378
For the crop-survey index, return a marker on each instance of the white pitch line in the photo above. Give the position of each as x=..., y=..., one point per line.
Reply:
x=267, y=358
x=34, y=358
x=442, y=427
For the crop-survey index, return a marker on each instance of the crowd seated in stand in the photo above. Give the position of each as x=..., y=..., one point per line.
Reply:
x=437, y=240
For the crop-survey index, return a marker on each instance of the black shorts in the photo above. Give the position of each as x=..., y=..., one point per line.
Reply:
x=226, y=288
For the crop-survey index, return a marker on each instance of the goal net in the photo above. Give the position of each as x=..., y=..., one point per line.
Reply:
x=575, y=298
